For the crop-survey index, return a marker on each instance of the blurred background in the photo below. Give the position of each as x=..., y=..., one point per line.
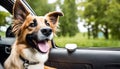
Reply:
x=87, y=23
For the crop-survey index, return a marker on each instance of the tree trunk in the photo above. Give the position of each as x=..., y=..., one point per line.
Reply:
x=88, y=33
x=106, y=34
x=95, y=31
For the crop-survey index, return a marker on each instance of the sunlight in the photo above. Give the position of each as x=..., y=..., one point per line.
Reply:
x=51, y=1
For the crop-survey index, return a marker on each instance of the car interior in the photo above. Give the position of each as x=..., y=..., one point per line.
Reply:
x=65, y=58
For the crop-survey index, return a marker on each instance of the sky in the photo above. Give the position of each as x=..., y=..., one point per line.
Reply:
x=2, y=9
x=51, y=1
x=81, y=25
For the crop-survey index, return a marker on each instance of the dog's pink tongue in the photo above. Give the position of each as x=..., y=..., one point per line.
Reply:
x=43, y=46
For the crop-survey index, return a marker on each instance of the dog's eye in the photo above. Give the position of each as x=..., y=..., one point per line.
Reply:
x=47, y=23
x=33, y=25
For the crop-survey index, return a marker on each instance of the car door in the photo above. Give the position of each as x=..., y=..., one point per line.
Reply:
x=86, y=58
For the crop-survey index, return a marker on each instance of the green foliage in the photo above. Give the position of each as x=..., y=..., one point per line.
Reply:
x=41, y=7
x=2, y=34
x=113, y=18
x=68, y=24
x=102, y=12
x=82, y=41
x=3, y=15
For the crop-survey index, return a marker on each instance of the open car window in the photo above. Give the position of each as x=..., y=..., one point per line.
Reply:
x=91, y=25
x=5, y=21
x=84, y=34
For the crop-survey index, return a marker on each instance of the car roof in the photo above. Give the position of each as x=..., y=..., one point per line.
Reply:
x=8, y=4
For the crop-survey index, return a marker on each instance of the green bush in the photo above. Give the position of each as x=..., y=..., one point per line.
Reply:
x=2, y=34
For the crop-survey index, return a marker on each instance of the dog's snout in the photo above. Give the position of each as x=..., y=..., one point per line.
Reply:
x=46, y=31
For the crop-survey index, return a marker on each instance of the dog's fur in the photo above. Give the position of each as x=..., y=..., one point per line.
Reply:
x=32, y=33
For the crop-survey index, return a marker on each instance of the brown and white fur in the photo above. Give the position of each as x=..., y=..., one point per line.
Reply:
x=33, y=37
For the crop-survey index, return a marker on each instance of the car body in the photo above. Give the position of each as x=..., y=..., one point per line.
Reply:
x=62, y=58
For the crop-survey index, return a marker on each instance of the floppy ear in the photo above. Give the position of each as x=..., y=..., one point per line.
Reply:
x=19, y=11
x=53, y=17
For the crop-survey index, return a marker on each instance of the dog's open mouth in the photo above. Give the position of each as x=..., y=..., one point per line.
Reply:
x=43, y=46
x=40, y=45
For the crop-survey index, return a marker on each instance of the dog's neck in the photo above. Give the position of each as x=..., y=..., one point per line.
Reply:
x=36, y=57
x=27, y=63
x=37, y=66
x=33, y=66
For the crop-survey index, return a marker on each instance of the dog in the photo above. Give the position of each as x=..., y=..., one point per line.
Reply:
x=33, y=38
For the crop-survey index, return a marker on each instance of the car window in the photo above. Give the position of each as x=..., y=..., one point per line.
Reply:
x=5, y=21
x=86, y=23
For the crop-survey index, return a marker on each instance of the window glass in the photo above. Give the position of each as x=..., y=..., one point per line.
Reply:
x=87, y=23
x=5, y=21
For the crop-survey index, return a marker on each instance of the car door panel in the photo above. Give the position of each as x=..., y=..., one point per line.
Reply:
x=84, y=58
x=88, y=59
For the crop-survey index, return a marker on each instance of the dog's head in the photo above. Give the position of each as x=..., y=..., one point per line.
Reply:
x=34, y=31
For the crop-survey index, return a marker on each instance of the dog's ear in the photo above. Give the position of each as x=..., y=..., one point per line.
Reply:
x=19, y=14
x=19, y=11
x=53, y=17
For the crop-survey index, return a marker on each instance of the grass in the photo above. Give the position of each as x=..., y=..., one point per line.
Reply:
x=83, y=41
x=2, y=34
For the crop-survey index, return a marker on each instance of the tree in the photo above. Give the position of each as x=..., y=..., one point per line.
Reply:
x=113, y=18
x=68, y=24
x=104, y=13
x=3, y=16
x=41, y=7
x=94, y=12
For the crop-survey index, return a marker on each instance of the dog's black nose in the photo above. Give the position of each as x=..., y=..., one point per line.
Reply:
x=46, y=31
